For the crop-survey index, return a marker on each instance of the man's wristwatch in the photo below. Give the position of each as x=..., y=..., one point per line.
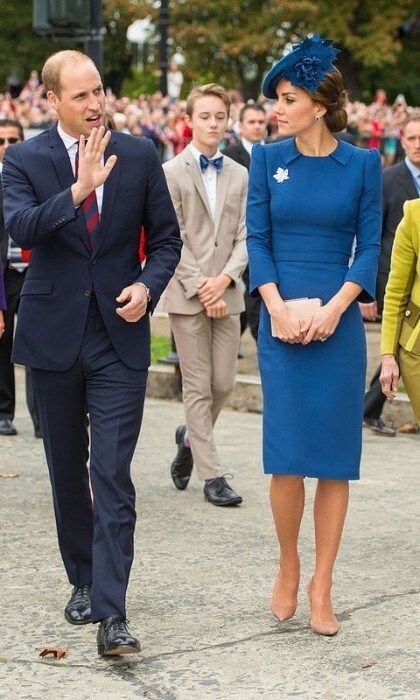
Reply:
x=148, y=295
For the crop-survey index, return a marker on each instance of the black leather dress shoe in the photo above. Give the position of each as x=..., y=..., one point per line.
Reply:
x=218, y=492
x=113, y=638
x=378, y=426
x=182, y=465
x=77, y=610
x=7, y=427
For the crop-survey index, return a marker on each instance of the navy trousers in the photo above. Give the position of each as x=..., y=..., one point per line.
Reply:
x=95, y=539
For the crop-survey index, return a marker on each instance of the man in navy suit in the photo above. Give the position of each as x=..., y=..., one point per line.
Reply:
x=77, y=196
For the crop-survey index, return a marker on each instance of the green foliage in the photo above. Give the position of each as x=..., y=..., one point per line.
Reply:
x=234, y=41
x=20, y=49
x=401, y=77
x=238, y=39
x=160, y=346
x=140, y=81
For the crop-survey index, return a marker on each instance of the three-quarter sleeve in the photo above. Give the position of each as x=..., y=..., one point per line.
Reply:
x=258, y=220
x=364, y=268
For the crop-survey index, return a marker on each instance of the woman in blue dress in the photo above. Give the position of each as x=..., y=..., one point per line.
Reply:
x=310, y=198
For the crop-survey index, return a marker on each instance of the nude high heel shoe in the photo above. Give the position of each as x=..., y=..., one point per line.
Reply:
x=326, y=628
x=281, y=612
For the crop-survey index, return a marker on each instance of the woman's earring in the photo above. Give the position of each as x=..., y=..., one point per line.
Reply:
x=317, y=119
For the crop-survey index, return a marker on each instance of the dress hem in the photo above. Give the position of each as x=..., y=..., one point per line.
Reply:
x=314, y=476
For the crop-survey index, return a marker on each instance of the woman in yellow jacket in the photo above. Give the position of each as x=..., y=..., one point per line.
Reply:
x=400, y=343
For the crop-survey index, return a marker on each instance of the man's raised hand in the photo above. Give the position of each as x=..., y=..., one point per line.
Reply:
x=91, y=172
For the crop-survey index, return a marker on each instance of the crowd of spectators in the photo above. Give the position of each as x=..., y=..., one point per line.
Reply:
x=163, y=119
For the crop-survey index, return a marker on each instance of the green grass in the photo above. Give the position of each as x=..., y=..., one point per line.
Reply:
x=160, y=347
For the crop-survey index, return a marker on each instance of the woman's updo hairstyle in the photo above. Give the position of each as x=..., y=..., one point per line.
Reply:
x=332, y=95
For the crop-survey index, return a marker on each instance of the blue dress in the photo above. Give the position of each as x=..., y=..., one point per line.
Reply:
x=303, y=215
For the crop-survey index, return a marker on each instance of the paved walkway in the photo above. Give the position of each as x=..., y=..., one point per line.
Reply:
x=202, y=578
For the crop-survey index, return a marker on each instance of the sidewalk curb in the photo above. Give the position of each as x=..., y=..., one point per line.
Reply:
x=162, y=384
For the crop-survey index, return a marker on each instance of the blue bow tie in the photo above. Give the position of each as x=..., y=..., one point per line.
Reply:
x=205, y=162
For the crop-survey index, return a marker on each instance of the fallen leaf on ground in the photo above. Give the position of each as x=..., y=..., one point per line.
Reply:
x=7, y=475
x=408, y=428
x=367, y=664
x=56, y=652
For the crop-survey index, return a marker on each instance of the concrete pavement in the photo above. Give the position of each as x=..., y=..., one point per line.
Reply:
x=202, y=578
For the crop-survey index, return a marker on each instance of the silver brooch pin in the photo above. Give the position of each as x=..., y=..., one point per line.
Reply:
x=281, y=175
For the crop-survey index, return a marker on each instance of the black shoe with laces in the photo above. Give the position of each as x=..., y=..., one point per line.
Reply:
x=113, y=638
x=218, y=492
x=78, y=609
x=182, y=465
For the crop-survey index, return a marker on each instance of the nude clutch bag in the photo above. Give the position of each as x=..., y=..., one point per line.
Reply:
x=304, y=308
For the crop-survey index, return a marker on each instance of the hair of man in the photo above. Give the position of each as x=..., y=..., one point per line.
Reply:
x=13, y=123
x=211, y=89
x=412, y=118
x=51, y=71
x=255, y=106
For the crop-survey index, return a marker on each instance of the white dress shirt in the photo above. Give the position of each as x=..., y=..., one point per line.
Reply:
x=209, y=177
x=71, y=145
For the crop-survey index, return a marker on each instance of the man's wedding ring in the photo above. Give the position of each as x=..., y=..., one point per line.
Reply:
x=323, y=339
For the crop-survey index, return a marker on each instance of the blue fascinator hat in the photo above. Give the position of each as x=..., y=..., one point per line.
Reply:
x=305, y=66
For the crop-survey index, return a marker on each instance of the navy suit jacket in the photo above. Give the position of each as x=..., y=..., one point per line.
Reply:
x=39, y=215
x=398, y=186
x=239, y=153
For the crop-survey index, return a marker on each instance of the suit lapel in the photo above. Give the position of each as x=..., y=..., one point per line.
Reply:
x=223, y=178
x=194, y=171
x=60, y=159
x=109, y=194
x=63, y=169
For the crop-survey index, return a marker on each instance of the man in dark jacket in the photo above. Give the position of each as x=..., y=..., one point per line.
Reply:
x=400, y=182
x=77, y=196
x=253, y=125
x=14, y=266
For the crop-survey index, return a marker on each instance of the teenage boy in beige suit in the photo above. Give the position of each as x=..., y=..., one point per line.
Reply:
x=204, y=298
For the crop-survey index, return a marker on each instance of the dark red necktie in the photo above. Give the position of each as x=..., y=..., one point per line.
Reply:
x=90, y=210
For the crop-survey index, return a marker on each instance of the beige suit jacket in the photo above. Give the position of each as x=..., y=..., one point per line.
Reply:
x=210, y=246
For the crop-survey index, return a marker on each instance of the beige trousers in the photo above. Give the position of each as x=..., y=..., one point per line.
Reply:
x=208, y=352
x=410, y=374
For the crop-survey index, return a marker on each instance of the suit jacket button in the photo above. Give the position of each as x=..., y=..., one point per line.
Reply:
x=216, y=243
x=408, y=312
x=87, y=293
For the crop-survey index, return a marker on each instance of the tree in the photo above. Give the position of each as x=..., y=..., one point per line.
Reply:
x=236, y=40
x=21, y=50
x=118, y=54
